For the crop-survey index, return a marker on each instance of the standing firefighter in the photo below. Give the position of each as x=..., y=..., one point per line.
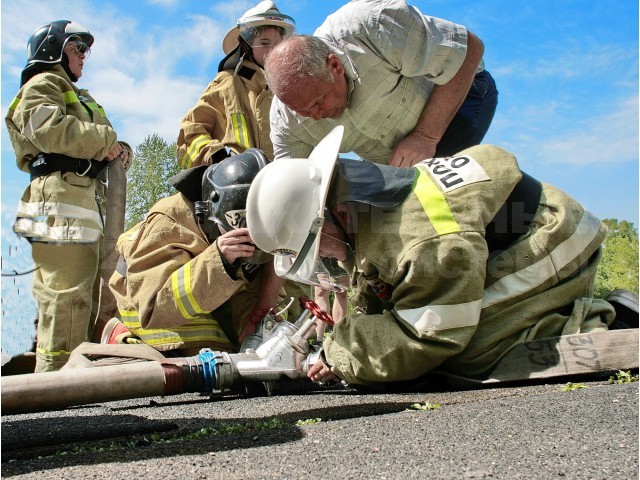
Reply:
x=232, y=114
x=460, y=258
x=62, y=137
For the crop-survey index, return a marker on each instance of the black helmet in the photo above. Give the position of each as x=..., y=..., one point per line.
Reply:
x=225, y=187
x=46, y=45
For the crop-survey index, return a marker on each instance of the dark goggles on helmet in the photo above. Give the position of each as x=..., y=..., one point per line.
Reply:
x=79, y=47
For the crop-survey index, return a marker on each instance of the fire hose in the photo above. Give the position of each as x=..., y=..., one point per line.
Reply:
x=277, y=350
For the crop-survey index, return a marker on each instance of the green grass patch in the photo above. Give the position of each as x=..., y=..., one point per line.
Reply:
x=308, y=421
x=570, y=387
x=423, y=406
x=623, y=377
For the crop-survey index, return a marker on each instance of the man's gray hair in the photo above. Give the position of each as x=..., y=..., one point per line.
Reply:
x=297, y=57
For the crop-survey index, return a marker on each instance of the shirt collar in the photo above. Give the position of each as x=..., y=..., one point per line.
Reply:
x=350, y=72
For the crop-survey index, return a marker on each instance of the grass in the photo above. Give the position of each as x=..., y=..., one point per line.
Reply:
x=423, y=406
x=570, y=387
x=623, y=377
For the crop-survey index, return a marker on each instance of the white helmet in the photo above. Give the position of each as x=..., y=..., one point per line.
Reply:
x=265, y=13
x=285, y=212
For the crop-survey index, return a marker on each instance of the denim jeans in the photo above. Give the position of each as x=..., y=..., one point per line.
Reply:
x=472, y=121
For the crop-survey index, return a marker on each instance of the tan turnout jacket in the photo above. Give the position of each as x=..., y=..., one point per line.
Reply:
x=175, y=292
x=232, y=112
x=50, y=114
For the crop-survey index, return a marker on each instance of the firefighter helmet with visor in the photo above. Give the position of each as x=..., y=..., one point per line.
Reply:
x=45, y=47
x=286, y=211
x=264, y=14
x=47, y=43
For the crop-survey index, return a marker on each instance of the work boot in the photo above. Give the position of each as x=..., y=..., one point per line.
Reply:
x=115, y=332
x=20, y=364
x=625, y=303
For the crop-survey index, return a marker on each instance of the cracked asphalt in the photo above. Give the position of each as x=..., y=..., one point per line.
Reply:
x=535, y=431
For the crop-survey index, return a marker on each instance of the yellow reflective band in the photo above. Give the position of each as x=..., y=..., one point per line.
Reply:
x=434, y=204
x=240, y=130
x=180, y=336
x=70, y=97
x=200, y=329
x=52, y=354
x=181, y=285
x=194, y=149
x=130, y=319
x=96, y=108
x=14, y=103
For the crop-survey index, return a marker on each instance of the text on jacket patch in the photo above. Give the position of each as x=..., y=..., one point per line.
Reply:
x=453, y=172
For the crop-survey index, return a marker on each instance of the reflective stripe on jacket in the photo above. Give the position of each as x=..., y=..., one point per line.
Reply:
x=444, y=294
x=175, y=279
x=232, y=113
x=202, y=330
x=50, y=114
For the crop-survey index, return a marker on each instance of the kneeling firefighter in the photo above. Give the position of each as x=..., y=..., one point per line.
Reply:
x=460, y=259
x=189, y=274
x=187, y=277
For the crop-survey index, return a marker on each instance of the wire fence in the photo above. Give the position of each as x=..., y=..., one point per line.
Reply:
x=18, y=306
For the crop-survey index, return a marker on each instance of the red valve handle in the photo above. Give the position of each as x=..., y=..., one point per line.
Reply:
x=316, y=311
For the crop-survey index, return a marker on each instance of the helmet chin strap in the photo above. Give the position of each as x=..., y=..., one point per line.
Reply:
x=209, y=228
x=65, y=64
x=335, y=220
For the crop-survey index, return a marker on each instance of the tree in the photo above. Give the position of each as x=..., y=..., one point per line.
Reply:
x=147, y=179
x=619, y=265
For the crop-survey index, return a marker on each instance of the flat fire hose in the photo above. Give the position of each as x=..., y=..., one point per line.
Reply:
x=137, y=371
x=565, y=356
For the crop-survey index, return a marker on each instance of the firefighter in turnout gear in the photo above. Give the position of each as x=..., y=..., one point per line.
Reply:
x=459, y=258
x=63, y=138
x=188, y=274
x=232, y=114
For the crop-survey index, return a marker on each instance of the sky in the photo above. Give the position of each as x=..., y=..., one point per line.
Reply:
x=566, y=71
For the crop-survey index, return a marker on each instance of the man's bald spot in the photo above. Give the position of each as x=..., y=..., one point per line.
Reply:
x=282, y=65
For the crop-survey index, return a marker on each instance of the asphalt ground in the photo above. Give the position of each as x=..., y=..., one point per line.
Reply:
x=537, y=431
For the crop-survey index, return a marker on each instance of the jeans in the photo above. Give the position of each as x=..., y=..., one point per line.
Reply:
x=472, y=121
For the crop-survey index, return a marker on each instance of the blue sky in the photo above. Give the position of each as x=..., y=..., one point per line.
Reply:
x=567, y=72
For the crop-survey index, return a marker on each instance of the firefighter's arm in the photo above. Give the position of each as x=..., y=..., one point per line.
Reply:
x=443, y=104
x=174, y=276
x=44, y=121
x=437, y=295
x=202, y=130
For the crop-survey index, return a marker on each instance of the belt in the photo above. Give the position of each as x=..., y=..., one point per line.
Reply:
x=46, y=163
x=514, y=217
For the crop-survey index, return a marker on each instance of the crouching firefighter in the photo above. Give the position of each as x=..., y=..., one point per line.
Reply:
x=189, y=275
x=461, y=260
